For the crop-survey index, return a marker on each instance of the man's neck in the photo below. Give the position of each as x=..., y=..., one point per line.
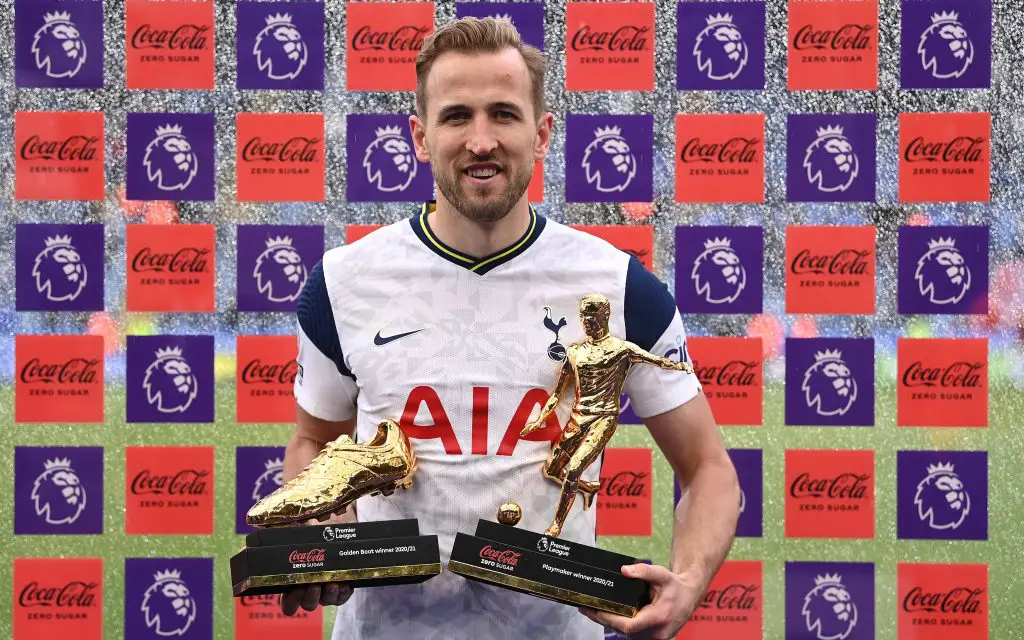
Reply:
x=478, y=239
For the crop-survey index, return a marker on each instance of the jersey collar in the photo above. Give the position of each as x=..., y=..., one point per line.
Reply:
x=480, y=266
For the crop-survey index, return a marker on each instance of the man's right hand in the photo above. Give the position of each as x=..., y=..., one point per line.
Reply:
x=310, y=595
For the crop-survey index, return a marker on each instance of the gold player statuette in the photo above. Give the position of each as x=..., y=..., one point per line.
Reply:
x=599, y=366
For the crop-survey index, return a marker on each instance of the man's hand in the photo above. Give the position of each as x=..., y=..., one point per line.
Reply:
x=673, y=600
x=312, y=595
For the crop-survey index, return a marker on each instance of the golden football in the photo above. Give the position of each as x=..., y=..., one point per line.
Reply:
x=510, y=513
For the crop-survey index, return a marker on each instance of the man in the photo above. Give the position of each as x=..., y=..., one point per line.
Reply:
x=438, y=322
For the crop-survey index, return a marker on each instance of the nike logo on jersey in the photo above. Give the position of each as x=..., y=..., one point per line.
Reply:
x=380, y=341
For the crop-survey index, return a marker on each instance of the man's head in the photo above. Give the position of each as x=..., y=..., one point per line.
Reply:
x=480, y=115
x=594, y=312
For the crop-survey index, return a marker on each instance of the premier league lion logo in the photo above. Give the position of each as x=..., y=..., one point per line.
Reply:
x=828, y=386
x=280, y=51
x=168, y=605
x=941, y=499
x=717, y=273
x=945, y=49
x=58, y=270
x=608, y=161
x=830, y=161
x=58, y=46
x=720, y=51
x=829, y=610
x=169, y=382
x=269, y=481
x=279, y=271
x=58, y=494
x=942, y=273
x=389, y=161
x=170, y=161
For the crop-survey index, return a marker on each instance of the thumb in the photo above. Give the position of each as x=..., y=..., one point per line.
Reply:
x=646, y=572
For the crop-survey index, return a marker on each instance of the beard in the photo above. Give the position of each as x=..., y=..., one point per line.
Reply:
x=495, y=207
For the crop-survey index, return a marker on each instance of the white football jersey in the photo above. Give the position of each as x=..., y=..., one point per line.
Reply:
x=463, y=352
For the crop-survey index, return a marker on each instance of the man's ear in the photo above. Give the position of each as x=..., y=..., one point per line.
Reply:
x=545, y=125
x=419, y=138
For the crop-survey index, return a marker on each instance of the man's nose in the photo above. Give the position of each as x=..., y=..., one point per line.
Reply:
x=482, y=140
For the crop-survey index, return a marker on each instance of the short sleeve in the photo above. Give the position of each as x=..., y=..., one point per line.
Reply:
x=654, y=324
x=324, y=387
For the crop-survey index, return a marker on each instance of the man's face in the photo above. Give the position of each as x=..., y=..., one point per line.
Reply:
x=480, y=133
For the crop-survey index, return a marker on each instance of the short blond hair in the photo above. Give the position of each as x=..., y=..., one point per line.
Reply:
x=478, y=35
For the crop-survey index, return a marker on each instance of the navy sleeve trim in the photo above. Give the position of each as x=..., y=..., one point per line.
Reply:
x=649, y=307
x=317, y=318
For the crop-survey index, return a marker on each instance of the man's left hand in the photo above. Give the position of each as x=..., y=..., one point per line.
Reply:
x=673, y=600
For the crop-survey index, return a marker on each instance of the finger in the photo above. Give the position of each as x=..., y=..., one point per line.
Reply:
x=291, y=599
x=646, y=618
x=312, y=597
x=655, y=574
x=335, y=594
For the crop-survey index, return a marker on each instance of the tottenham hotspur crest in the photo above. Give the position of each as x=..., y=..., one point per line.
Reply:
x=829, y=610
x=170, y=161
x=168, y=605
x=58, y=270
x=945, y=48
x=169, y=382
x=719, y=49
x=942, y=273
x=57, y=46
x=717, y=273
x=941, y=499
x=830, y=161
x=279, y=271
x=57, y=493
x=556, y=351
x=828, y=385
x=389, y=161
x=280, y=50
x=608, y=161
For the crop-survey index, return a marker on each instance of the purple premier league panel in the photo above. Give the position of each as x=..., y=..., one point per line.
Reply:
x=58, y=267
x=58, y=490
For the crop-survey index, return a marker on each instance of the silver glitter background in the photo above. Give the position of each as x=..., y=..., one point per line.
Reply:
x=1004, y=329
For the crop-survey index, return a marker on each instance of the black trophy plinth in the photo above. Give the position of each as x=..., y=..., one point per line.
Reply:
x=361, y=554
x=551, y=568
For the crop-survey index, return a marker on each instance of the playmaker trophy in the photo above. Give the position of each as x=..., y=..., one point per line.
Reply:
x=541, y=564
x=278, y=556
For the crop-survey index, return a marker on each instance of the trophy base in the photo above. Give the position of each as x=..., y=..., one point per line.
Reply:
x=364, y=554
x=567, y=572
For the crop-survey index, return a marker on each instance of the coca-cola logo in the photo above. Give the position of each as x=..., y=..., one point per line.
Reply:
x=624, y=484
x=405, y=38
x=844, y=486
x=256, y=372
x=184, y=482
x=960, y=374
x=261, y=600
x=737, y=150
x=627, y=37
x=184, y=260
x=958, y=149
x=193, y=37
x=735, y=597
x=849, y=37
x=74, y=148
x=72, y=594
x=73, y=371
x=313, y=555
x=501, y=556
x=734, y=373
x=846, y=262
x=294, y=149
x=956, y=600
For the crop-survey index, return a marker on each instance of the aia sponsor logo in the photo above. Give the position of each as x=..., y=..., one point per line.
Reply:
x=719, y=269
x=58, y=267
x=527, y=17
x=506, y=557
x=280, y=45
x=273, y=263
x=624, y=497
x=609, y=158
x=259, y=471
x=830, y=270
x=58, y=44
x=169, y=490
x=719, y=157
x=946, y=45
x=58, y=155
x=733, y=605
x=830, y=382
x=637, y=241
x=720, y=45
x=830, y=600
x=266, y=375
x=383, y=41
x=58, y=598
x=943, y=382
x=260, y=618
x=945, y=157
x=280, y=156
x=170, y=378
x=942, y=495
x=58, y=490
x=943, y=270
x=609, y=47
x=170, y=156
x=171, y=267
x=384, y=165
x=830, y=494
x=833, y=45
x=169, y=45
x=731, y=372
x=167, y=597
x=830, y=157
x=950, y=601
x=59, y=378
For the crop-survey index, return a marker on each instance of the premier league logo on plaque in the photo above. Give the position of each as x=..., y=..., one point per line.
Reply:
x=170, y=156
x=946, y=45
x=609, y=158
x=281, y=45
x=830, y=157
x=942, y=495
x=59, y=44
x=58, y=490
